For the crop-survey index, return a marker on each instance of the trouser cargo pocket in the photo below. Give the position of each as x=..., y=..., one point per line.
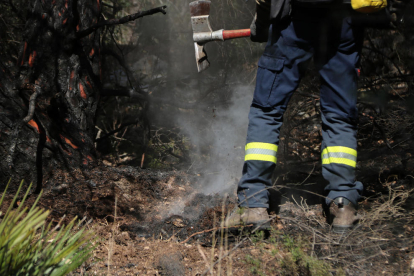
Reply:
x=267, y=78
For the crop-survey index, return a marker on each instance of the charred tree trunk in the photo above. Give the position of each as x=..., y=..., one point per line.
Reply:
x=48, y=100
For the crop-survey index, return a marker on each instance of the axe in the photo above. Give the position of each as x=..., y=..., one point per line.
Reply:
x=202, y=32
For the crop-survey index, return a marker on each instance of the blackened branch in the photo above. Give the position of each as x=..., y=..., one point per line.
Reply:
x=135, y=122
x=17, y=127
x=32, y=103
x=122, y=20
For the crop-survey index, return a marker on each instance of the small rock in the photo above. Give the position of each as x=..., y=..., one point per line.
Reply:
x=171, y=264
x=125, y=235
x=91, y=184
x=62, y=188
x=409, y=165
x=178, y=222
x=107, y=163
x=412, y=264
x=122, y=238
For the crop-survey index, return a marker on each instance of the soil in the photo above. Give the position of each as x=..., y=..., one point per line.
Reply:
x=156, y=223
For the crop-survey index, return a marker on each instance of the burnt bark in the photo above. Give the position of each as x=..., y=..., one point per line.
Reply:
x=49, y=97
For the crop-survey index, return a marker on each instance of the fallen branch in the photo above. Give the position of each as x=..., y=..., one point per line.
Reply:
x=123, y=20
x=117, y=130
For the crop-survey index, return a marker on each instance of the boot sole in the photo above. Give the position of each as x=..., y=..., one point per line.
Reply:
x=341, y=229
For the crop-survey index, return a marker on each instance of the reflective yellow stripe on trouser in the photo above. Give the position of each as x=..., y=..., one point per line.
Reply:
x=261, y=152
x=339, y=155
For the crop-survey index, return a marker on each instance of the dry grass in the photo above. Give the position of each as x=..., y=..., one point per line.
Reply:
x=372, y=242
x=301, y=243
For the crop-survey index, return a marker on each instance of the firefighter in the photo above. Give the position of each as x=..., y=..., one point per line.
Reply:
x=295, y=32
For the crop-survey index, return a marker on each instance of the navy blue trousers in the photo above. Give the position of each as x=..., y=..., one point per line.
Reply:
x=335, y=45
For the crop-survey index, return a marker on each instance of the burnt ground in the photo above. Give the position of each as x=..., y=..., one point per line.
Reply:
x=156, y=223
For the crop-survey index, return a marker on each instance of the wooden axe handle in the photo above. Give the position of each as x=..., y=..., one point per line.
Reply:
x=236, y=33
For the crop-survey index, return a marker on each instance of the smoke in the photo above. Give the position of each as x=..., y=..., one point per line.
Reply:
x=216, y=126
x=218, y=134
x=230, y=129
x=208, y=109
x=225, y=136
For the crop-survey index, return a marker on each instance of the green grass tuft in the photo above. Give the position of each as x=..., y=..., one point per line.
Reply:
x=30, y=247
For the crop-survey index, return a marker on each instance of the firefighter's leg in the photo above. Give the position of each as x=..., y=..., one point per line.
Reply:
x=260, y=156
x=278, y=76
x=339, y=116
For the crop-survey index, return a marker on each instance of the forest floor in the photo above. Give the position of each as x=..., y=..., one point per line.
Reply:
x=150, y=222
x=154, y=222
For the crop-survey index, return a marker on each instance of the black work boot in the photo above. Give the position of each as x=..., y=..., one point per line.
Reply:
x=342, y=215
x=250, y=217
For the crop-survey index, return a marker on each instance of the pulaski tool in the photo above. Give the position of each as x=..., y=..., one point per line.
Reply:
x=202, y=32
